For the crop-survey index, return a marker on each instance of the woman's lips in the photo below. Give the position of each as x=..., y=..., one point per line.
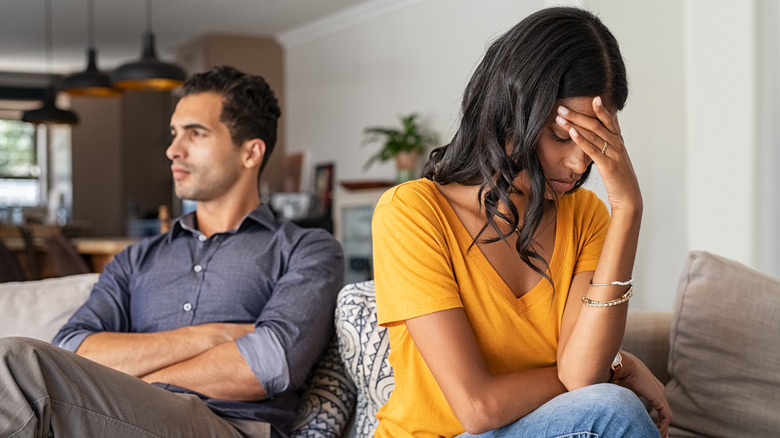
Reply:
x=562, y=186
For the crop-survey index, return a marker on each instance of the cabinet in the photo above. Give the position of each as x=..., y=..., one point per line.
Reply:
x=352, y=212
x=118, y=159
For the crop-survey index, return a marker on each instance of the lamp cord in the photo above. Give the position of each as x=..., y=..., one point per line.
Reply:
x=148, y=16
x=91, y=24
x=49, y=43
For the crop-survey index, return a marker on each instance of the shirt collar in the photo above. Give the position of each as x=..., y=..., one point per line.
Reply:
x=261, y=215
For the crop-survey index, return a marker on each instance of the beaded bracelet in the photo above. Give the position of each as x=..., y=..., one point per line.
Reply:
x=614, y=283
x=626, y=296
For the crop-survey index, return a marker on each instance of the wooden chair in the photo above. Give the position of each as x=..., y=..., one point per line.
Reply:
x=63, y=256
x=30, y=253
x=10, y=269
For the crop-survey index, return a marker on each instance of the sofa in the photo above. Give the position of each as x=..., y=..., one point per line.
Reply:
x=717, y=351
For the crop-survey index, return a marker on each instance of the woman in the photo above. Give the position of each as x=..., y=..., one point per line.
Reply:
x=504, y=285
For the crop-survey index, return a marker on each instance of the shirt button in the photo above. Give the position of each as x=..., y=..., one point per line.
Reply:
x=202, y=238
x=197, y=268
x=187, y=307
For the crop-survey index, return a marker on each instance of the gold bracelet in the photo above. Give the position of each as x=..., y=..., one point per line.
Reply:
x=626, y=296
x=614, y=283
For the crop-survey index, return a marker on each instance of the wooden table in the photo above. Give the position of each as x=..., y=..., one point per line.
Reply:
x=101, y=250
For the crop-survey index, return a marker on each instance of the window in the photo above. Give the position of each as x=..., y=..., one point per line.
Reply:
x=20, y=171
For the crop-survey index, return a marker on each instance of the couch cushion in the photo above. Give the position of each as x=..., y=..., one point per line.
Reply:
x=647, y=337
x=364, y=348
x=326, y=405
x=724, y=357
x=37, y=309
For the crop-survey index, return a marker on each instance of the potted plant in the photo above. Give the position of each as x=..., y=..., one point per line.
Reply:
x=404, y=145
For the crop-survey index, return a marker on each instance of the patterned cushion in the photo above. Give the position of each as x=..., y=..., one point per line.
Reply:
x=326, y=405
x=364, y=348
x=355, y=361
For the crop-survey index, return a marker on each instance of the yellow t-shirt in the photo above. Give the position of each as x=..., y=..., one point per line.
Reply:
x=423, y=264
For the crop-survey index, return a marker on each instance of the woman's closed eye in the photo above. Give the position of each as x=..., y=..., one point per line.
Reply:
x=558, y=138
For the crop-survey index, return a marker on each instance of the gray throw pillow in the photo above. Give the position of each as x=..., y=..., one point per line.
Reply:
x=724, y=356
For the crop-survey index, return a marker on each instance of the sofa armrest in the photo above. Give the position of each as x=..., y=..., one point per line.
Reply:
x=647, y=337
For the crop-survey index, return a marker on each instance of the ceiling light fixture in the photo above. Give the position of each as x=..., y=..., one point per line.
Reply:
x=48, y=112
x=91, y=82
x=148, y=73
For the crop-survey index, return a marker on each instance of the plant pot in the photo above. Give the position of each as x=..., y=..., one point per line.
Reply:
x=406, y=166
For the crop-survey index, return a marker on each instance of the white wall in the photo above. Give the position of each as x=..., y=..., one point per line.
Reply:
x=348, y=72
x=720, y=88
x=416, y=58
x=768, y=155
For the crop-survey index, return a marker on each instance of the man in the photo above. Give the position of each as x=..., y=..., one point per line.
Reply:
x=207, y=330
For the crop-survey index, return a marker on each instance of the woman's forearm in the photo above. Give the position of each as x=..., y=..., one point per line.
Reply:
x=595, y=334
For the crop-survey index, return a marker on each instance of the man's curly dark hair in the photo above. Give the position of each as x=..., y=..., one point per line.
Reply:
x=249, y=106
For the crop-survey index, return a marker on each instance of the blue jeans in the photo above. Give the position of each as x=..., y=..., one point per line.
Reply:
x=598, y=411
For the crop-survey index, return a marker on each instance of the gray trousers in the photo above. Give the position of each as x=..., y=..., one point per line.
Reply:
x=46, y=391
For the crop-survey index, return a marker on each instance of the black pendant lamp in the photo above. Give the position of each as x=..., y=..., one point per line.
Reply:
x=48, y=112
x=91, y=82
x=148, y=73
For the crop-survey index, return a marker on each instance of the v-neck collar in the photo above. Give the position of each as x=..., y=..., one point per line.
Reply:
x=541, y=290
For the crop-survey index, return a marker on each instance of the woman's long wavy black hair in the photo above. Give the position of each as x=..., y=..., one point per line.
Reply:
x=552, y=54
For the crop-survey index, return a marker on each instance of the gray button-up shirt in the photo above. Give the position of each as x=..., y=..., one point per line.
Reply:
x=269, y=272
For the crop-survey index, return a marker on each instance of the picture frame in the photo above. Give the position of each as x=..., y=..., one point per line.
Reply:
x=323, y=189
x=293, y=165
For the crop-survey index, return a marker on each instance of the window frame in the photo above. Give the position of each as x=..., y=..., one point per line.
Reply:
x=38, y=170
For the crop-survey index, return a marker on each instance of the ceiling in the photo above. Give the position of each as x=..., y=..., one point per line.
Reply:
x=120, y=24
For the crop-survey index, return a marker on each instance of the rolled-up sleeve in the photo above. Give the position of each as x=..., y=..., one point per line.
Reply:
x=295, y=325
x=272, y=371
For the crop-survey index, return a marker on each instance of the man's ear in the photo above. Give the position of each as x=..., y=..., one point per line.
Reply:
x=254, y=153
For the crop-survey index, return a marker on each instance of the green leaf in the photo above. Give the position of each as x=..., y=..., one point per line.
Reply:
x=409, y=138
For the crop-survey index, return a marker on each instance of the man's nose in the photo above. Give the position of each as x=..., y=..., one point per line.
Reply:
x=174, y=149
